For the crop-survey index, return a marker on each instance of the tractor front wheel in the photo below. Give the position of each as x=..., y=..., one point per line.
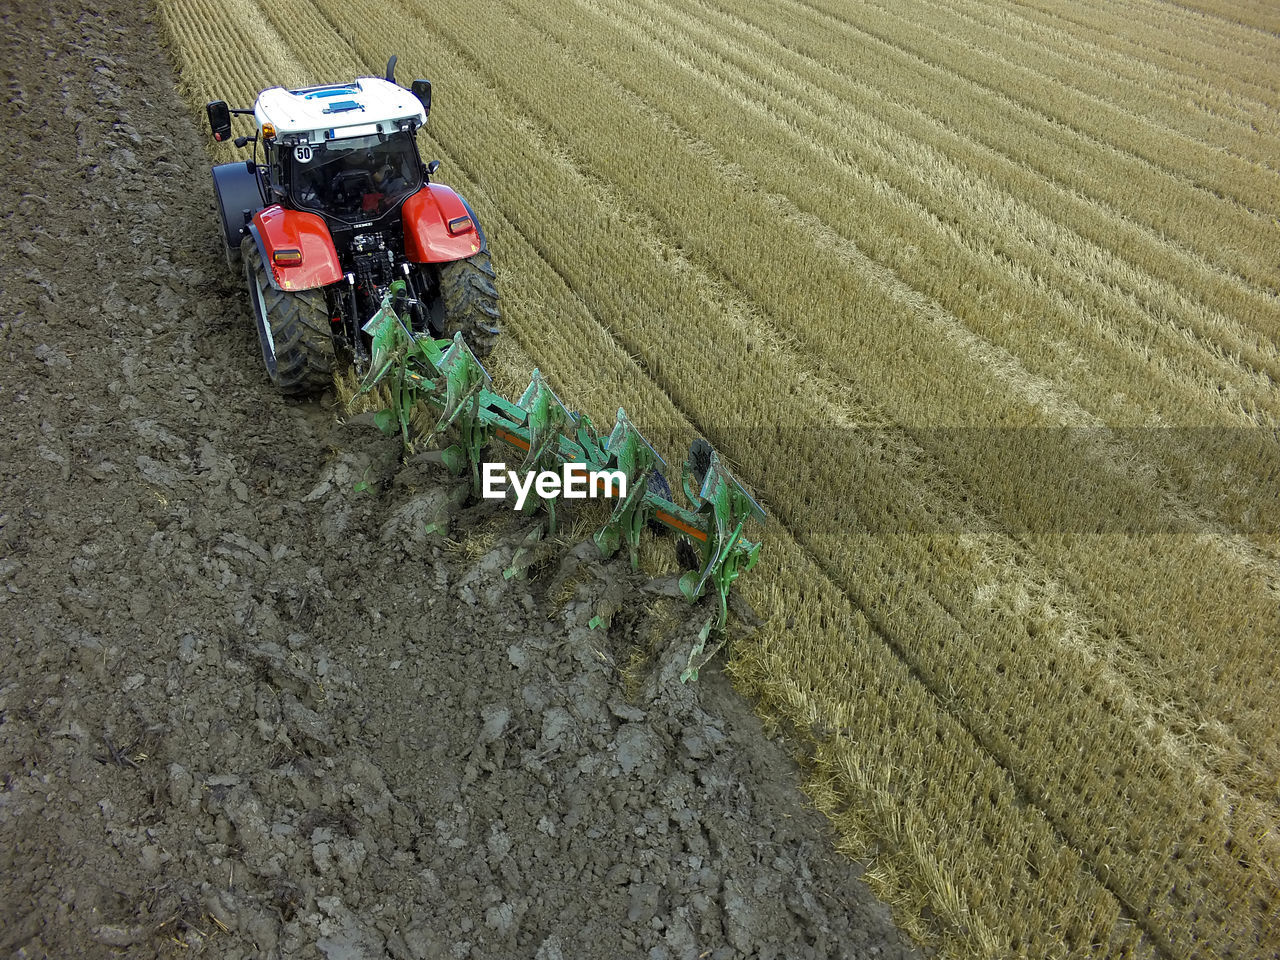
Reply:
x=469, y=301
x=293, y=329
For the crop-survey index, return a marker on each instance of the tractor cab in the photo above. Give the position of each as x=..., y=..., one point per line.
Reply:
x=355, y=178
x=345, y=151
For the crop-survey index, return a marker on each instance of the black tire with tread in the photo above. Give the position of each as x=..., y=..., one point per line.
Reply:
x=298, y=323
x=469, y=300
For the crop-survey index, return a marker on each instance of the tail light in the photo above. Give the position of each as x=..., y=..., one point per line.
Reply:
x=287, y=258
x=459, y=225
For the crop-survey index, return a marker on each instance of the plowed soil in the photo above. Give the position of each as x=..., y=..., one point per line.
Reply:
x=247, y=710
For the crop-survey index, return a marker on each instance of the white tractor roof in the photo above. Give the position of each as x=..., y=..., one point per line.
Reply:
x=365, y=105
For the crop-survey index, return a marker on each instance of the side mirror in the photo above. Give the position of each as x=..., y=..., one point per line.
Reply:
x=422, y=90
x=219, y=119
x=432, y=167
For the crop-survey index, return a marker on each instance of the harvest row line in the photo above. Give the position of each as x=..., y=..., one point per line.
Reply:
x=559, y=287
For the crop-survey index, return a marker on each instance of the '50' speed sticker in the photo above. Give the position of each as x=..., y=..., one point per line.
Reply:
x=302, y=154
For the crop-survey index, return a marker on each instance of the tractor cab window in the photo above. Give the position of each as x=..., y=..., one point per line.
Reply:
x=358, y=178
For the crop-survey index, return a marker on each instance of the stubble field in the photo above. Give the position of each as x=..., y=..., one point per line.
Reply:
x=982, y=300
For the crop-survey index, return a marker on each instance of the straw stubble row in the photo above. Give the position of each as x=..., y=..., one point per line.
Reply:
x=946, y=677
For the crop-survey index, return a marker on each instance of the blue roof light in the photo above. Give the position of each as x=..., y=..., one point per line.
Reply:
x=329, y=92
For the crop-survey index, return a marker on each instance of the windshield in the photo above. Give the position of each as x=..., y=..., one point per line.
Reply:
x=355, y=179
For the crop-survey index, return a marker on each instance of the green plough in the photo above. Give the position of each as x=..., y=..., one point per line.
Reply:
x=445, y=378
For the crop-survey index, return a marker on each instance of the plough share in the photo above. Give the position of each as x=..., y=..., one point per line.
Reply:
x=438, y=387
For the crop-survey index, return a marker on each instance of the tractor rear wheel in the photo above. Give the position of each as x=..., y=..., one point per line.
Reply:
x=293, y=329
x=469, y=301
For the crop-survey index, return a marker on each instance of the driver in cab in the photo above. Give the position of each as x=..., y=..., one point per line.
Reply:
x=367, y=183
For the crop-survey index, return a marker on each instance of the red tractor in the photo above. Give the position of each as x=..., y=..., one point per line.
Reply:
x=340, y=207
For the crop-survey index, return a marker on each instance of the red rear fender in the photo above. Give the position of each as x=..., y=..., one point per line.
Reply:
x=297, y=247
x=438, y=227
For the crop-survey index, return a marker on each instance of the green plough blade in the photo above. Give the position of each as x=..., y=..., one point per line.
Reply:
x=631, y=455
x=446, y=378
x=547, y=420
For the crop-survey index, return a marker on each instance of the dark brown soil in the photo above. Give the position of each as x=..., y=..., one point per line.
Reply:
x=248, y=711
